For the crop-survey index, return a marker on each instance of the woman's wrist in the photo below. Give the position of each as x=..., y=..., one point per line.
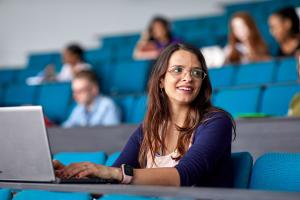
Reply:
x=116, y=173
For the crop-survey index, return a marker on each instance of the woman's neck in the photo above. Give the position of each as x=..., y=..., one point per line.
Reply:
x=179, y=114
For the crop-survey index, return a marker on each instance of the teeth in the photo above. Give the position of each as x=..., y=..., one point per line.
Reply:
x=185, y=88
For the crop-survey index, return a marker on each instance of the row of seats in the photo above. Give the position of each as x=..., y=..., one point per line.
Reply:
x=261, y=73
x=271, y=171
x=271, y=100
x=56, y=100
x=132, y=77
x=118, y=78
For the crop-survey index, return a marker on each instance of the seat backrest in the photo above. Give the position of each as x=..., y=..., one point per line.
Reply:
x=276, y=171
x=112, y=158
x=55, y=99
x=276, y=99
x=139, y=109
x=5, y=194
x=255, y=73
x=287, y=70
x=19, y=94
x=129, y=77
x=238, y=101
x=39, y=61
x=7, y=76
x=126, y=104
x=47, y=195
x=242, y=165
x=222, y=77
x=71, y=157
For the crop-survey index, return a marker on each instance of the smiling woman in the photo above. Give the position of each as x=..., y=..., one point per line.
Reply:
x=183, y=141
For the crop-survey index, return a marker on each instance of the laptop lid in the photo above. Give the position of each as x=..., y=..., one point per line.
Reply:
x=24, y=147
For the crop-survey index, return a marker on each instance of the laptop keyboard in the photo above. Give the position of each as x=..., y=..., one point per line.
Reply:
x=88, y=181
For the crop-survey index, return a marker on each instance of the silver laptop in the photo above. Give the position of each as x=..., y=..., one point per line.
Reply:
x=24, y=148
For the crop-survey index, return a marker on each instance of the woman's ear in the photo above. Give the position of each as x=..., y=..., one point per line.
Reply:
x=161, y=83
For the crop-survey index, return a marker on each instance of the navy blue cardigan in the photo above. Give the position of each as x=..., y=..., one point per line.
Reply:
x=206, y=163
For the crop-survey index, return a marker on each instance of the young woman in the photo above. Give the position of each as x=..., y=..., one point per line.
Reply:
x=284, y=26
x=245, y=43
x=183, y=141
x=154, y=40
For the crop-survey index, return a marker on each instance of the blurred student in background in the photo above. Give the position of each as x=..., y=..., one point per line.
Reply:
x=154, y=39
x=284, y=26
x=245, y=43
x=92, y=109
x=73, y=63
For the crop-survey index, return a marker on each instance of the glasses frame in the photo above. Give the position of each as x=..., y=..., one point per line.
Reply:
x=190, y=72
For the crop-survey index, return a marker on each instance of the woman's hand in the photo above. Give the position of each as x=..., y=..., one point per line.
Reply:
x=88, y=169
x=58, y=167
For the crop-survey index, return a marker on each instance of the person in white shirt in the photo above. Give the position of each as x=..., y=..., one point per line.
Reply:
x=73, y=63
x=92, y=109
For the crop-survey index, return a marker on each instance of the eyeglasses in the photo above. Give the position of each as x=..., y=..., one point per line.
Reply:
x=196, y=73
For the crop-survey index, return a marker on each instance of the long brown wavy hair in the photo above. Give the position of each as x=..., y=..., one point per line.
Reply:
x=257, y=44
x=158, y=111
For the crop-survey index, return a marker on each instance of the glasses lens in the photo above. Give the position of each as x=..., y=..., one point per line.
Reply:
x=198, y=73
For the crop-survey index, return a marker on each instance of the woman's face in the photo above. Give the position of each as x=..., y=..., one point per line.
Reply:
x=279, y=28
x=183, y=79
x=158, y=30
x=240, y=29
x=69, y=57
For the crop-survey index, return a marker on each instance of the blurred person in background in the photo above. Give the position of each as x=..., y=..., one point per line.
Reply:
x=154, y=39
x=284, y=26
x=73, y=63
x=92, y=109
x=245, y=43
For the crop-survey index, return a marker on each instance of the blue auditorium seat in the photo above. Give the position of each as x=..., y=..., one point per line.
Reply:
x=120, y=40
x=57, y=61
x=7, y=76
x=139, y=109
x=126, y=104
x=238, y=101
x=19, y=94
x=39, y=61
x=55, y=99
x=222, y=77
x=23, y=74
x=287, y=70
x=255, y=73
x=97, y=57
x=242, y=165
x=71, y=157
x=276, y=99
x=112, y=158
x=5, y=194
x=130, y=77
x=2, y=91
x=125, y=197
x=277, y=172
x=47, y=195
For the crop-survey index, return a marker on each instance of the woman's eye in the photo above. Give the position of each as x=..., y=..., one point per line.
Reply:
x=178, y=69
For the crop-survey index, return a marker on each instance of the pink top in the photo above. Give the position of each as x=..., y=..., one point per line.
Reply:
x=164, y=161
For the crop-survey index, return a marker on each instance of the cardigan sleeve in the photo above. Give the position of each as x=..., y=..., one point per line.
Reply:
x=130, y=152
x=211, y=141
